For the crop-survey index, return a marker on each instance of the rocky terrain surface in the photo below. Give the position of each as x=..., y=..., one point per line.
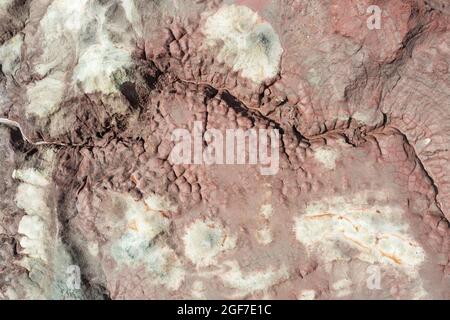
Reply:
x=92, y=206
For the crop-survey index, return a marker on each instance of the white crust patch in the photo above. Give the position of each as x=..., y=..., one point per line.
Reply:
x=327, y=157
x=378, y=233
x=253, y=281
x=10, y=54
x=204, y=241
x=45, y=95
x=250, y=45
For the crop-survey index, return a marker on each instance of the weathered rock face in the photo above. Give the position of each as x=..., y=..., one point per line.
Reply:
x=354, y=100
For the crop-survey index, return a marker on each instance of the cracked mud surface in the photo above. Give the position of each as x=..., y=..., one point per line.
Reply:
x=91, y=92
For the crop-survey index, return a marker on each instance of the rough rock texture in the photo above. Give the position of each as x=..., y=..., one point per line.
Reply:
x=91, y=92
